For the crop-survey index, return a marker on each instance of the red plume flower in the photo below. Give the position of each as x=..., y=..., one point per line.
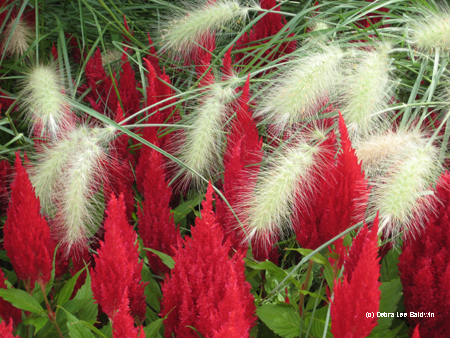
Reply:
x=123, y=324
x=128, y=92
x=360, y=292
x=6, y=331
x=7, y=311
x=27, y=239
x=425, y=269
x=117, y=268
x=338, y=202
x=206, y=289
x=156, y=224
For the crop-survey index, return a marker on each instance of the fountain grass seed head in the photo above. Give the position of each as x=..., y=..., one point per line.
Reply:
x=367, y=89
x=302, y=88
x=430, y=30
x=44, y=101
x=20, y=37
x=66, y=177
x=203, y=144
x=186, y=28
x=279, y=185
x=404, y=166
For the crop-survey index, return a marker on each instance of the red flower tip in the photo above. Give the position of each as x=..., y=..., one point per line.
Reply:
x=6, y=330
x=416, y=333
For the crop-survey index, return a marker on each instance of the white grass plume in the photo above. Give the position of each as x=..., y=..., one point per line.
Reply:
x=431, y=29
x=64, y=178
x=185, y=29
x=44, y=100
x=270, y=206
x=21, y=38
x=202, y=147
x=401, y=192
x=366, y=90
x=301, y=90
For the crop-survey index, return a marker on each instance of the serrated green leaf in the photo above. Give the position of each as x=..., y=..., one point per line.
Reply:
x=389, y=265
x=21, y=300
x=166, y=259
x=66, y=291
x=281, y=319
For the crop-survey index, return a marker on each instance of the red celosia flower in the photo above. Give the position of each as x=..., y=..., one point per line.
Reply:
x=6, y=330
x=5, y=173
x=7, y=311
x=123, y=324
x=242, y=161
x=27, y=238
x=339, y=200
x=117, y=268
x=206, y=289
x=153, y=56
x=203, y=60
x=54, y=52
x=416, y=333
x=360, y=291
x=425, y=269
x=266, y=27
x=156, y=225
x=102, y=89
x=128, y=92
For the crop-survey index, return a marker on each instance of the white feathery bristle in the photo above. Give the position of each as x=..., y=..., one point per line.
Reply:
x=270, y=206
x=21, y=38
x=431, y=29
x=402, y=178
x=65, y=178
x=202, y=147
x=367, y=90
x=45, y=103
x=303, y=88
x=183, y=30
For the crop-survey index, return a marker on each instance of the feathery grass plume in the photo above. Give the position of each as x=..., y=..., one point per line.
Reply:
x=367, y=89
x=379, y=151
x=65, y=176
x=302, y=88
x=270, y=206
x=405, y=174
x=186, y=28
x=430, y=30
x=21, y=37
x=44, y=100
x=203, y=142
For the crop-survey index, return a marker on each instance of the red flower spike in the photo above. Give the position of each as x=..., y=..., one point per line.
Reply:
x=127, y=39
x=203, y=60
x=7, y=311
x=207, y=290
x=6, y=330
x=360, y=293
x=5, y=174
x=128, y=92
x=227, y=68
x=416, y=333
x=425, y=269
x=27, y=239
x=338, y=202
x=123, y=324
x=153, y=56
x=117, y=268
x=156, y=224
x=54, y=52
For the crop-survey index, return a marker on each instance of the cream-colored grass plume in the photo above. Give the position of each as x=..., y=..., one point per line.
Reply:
x=302, y=88
x=403, y=166
x=21, y=37
x=269, y=208
x=430, y=30
x=185, y=29
x=366, y=90
x=65, y=178
x=44, y=100
x=203, y=143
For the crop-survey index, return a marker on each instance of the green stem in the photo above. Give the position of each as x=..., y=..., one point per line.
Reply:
x=51, y=314
x=305, y=286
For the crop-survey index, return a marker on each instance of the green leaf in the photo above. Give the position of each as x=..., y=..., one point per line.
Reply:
x=391, y=293
x=318, y=258
x=274, y=270
x=76, y=328
x=389, y=268
x=66, y=291
x=37, y=321
x=166, y=259
x=152, y=330
x=185, y=208
x=281, y=319
x=21, y=299
x=152, y=290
